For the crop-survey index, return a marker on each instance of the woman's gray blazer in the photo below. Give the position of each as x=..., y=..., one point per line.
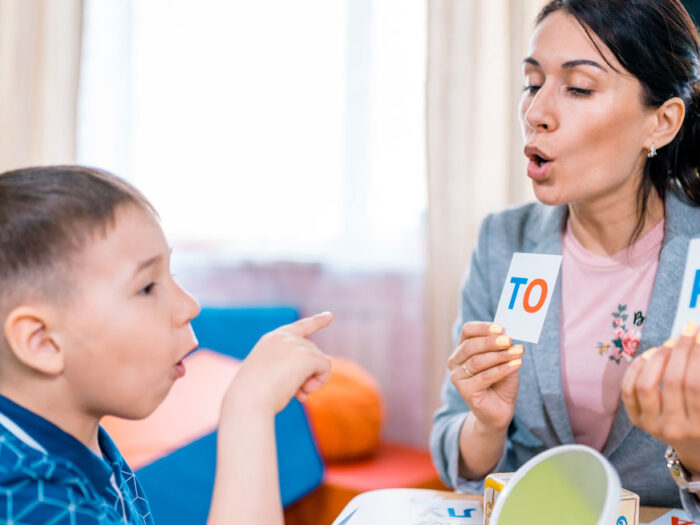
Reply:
x=540, y=420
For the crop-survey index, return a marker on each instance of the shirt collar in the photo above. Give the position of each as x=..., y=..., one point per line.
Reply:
x=60, y=444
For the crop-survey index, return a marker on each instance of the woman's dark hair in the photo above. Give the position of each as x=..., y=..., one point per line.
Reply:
x=47, y=215
x=657, y=42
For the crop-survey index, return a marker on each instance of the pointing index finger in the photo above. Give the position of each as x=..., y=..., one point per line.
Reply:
x=309, y=325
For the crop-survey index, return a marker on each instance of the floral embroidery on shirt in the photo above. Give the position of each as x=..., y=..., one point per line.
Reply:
x=625, y=341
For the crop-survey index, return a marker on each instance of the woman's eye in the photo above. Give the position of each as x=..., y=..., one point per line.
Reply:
x=579, y=92
x=148, y=289
x=531, y=89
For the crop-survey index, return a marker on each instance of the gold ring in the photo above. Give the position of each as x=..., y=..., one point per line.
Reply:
x=466, y=370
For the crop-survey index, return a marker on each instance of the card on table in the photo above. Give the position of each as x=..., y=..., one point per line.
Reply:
x=673, y=517
x=438, y=511
x=412, y=507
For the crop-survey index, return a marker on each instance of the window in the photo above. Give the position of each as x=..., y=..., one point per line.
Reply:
x=265, y=130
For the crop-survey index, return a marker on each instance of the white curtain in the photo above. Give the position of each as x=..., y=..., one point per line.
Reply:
x=474, y=150
x=39, y=73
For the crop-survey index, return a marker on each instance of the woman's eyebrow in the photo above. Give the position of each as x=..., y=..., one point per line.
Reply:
x=582, y=62
x=568, y=64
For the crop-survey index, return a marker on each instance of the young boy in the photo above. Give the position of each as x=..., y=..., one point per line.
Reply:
x=93, y=324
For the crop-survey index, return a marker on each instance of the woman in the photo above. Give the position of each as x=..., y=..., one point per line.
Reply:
x=610, y=122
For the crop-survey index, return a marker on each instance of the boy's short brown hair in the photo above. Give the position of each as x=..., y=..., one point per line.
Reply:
x=47, y=214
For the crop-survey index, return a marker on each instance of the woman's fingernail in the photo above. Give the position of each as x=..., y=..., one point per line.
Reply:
x=671, y=342
x=515, y=362
x=503, y=340
x=689, y=329
x=697, y=339
x=647, y=355
x=495, y=328
x=516, y=350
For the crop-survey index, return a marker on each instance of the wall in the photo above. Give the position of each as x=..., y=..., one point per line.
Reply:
x=379, y=323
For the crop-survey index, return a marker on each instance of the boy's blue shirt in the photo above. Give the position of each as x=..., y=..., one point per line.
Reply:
x=49, y=477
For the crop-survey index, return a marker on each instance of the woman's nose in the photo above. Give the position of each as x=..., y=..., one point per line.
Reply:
x=540, y=113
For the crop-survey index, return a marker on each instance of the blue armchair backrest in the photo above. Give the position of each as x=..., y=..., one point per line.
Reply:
x=179, y=486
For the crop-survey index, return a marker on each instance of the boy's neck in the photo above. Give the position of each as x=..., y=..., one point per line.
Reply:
x=54, y=409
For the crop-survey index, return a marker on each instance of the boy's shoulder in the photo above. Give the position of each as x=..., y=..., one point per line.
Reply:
x=38, y=485
x=35, y=488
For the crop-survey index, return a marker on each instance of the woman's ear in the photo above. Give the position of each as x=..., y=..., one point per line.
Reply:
x=31, y=343
x=668, y=119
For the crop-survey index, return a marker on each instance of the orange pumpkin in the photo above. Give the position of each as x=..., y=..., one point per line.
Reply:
x=346, y=413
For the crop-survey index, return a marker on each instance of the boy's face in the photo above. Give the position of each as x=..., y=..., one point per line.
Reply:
x=127, y=328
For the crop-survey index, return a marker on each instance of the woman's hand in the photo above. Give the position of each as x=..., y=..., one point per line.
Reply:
x=661, y=391
x=483, y=369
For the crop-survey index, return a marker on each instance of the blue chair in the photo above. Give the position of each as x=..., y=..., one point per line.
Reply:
x=179, y=486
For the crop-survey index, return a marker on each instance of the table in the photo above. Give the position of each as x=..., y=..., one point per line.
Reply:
x=646, y=514
x=405, y=505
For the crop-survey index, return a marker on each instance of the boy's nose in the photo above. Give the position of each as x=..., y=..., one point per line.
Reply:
x=189, y=307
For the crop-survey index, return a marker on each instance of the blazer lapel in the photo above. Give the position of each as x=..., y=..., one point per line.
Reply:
x=546, y=354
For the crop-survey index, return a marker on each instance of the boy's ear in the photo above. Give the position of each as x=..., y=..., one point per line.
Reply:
x=30, y=341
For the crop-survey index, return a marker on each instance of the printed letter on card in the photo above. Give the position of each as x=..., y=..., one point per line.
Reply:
x=526, y=294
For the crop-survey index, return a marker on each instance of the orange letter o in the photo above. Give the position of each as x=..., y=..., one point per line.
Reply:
x=526, y=298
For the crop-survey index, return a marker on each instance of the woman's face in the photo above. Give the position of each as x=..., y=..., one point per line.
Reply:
x=584, y=124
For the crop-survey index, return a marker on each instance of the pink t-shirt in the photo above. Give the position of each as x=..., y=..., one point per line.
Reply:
x=604, y=304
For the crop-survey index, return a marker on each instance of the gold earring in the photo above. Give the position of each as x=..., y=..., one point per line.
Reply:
x=652, y=152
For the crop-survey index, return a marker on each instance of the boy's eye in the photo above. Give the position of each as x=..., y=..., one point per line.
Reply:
x=146, y=290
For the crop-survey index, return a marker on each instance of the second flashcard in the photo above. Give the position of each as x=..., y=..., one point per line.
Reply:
x=689, y=300
x=527, y=294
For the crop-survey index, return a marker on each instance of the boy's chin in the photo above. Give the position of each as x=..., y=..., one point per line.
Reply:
x=133, y=414
x=140, y=410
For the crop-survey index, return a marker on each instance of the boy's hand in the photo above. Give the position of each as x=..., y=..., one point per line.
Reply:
x=283, y=364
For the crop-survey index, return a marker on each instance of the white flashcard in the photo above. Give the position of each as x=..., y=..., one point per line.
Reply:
x=673, y=517
x=527, y=294
x=436, y=511
x=411, y=507
x=689, y=301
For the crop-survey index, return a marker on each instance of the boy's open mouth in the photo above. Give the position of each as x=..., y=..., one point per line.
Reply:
x=179, y=369
x=180, y=366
